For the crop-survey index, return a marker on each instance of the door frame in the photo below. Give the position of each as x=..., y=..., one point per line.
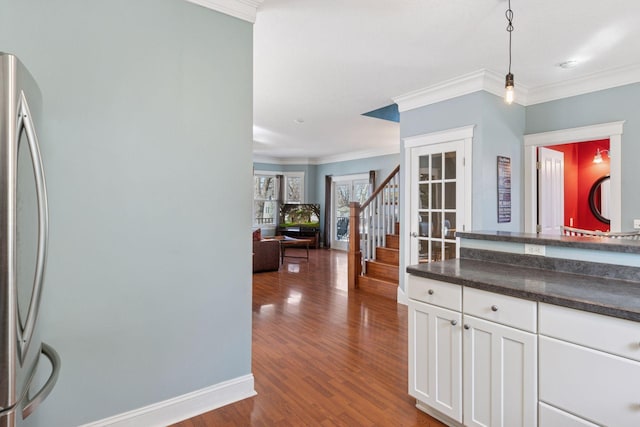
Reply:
x=612, y=130
x=464, y=134
x=336, y=179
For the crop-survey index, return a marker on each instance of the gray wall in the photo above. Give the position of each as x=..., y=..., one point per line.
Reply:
x=609, y=105
x=146, y=141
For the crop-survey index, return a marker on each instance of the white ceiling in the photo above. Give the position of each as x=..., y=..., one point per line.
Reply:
x=328, y=61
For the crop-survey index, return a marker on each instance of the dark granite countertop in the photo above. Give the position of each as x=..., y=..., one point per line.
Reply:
x=617, y=298
x=600, y=243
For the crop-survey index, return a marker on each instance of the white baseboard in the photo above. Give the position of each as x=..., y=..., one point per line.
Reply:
x=183, y=407
x=402, y=297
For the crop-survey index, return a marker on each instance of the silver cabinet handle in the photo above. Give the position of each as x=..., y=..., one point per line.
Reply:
x=430, y=291
x=467, y=327
x=414, y=234
x=494, y=308
x=31, y=403
x=454, y=322
x=25, y=123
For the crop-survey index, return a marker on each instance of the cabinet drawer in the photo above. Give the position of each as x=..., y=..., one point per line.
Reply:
x=553, y=417
x=610, y=334
x=447, y=295
x=591, y=384
x=510, y=311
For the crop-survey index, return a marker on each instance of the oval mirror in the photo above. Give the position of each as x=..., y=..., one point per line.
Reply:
x=599, y=199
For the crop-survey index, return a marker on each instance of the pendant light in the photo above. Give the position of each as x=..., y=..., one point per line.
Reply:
x=509, y=86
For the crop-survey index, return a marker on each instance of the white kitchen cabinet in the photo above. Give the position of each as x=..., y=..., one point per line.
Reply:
x=582, y=370
x=435, y=358
x=500, y=375
x=435, y=347
x=492, y=363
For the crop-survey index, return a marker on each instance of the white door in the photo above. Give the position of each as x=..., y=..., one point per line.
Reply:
x=346, y=189
x=435, y=357
x=550, y=190
x=437, y=201
x=499, y=375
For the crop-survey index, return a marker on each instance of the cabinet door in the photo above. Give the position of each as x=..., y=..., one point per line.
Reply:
x=591, y=384
x=435, y=358
x=500, y=375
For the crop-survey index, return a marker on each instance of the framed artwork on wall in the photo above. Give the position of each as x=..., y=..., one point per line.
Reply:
x=504, y=189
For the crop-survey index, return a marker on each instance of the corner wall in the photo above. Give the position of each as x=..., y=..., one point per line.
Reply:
x=498, y=131
x=146, y=142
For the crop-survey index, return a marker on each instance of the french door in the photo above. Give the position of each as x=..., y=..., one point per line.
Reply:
x=437, y=194
x=436, y=198
x=346, y=189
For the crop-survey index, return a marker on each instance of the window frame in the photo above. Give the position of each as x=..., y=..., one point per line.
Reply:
x=280, y=198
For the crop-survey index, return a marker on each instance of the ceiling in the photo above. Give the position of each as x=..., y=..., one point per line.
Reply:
x=320, y=64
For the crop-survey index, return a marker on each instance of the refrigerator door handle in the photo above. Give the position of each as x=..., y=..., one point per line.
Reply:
x=31, y=403
x=25, y=124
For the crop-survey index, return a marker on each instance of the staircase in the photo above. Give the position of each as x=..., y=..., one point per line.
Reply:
x=374, y=241
x=381, y=275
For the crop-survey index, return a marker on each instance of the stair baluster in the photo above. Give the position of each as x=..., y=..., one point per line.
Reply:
x=369, y=225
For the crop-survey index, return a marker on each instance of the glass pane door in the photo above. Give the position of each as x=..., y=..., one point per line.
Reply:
x=342, y=197
x=436, y=198
x=347, y=189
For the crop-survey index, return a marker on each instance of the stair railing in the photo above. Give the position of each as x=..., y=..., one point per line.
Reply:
x=370, y=223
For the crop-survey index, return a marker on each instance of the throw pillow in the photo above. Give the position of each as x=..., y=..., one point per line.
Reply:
x=257, y=234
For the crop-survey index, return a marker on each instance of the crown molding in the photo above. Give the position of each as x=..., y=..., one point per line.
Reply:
x=259, y=158
x=581, y=85
x=242, y=9
x=358, y=155
x=355, y=155
x=492, y=82
x=486, y=80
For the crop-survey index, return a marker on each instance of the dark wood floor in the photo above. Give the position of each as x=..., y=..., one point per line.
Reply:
x=322, y=356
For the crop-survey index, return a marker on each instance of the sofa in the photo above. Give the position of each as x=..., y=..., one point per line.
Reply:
x=266, y=255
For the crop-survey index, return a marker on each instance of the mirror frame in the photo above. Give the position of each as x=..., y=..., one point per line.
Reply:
x=592, y=202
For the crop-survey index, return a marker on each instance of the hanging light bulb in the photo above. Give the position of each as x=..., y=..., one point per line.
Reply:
x=509, y=92
x=509, y=81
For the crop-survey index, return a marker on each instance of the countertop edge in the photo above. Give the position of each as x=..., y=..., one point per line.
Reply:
x=591, y=243
x=579, y=304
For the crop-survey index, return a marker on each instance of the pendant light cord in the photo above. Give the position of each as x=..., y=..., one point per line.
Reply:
x=509, y=15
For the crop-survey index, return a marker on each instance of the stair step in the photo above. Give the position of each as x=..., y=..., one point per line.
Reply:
x=393, y=241
x=388, y=255
x=380, y=287
x=381, y=270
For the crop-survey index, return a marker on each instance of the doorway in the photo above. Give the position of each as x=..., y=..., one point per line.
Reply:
x=611, y=131
x=585, y=165
x=345, y=189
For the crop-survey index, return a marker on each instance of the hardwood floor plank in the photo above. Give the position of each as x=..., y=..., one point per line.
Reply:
x=322, y=356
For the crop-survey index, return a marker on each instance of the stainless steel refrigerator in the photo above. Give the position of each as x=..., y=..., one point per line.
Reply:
x=23, y=248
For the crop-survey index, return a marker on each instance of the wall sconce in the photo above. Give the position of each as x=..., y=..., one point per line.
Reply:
x=598, y=157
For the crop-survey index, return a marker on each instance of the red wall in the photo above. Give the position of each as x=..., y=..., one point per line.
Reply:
x=579, y=175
